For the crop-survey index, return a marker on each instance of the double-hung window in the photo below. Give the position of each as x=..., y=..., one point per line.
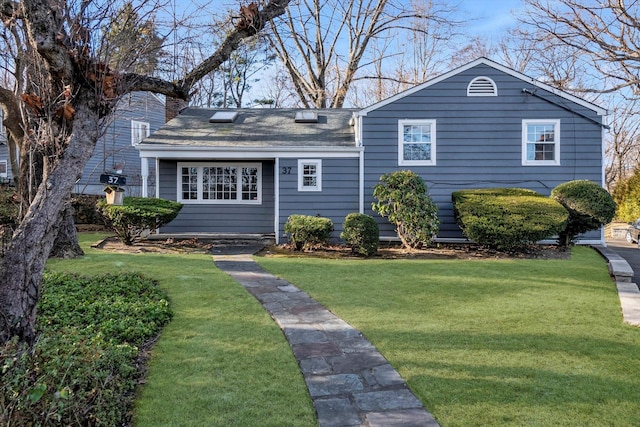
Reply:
x=541, y=142
x=139, y=131
x=3, y=169
x=222, y=183
x=416, y=142
x=309, y=175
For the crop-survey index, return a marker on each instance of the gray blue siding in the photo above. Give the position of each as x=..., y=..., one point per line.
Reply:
x=338, y=198
x=479, y=141
x=219, y=218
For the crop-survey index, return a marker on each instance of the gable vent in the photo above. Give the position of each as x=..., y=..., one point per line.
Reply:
x=482, y=86
x=306, y=116
x=223, y=117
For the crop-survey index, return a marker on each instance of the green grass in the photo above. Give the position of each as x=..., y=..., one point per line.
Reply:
x=491, y=342
x=222, y=361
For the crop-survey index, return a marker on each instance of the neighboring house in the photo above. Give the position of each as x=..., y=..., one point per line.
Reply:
x=136, y=116
x=5, y=164
x=481, y=125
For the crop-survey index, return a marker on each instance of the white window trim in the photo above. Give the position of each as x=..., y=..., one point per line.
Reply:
x=401, y=160
x=202, y=201
x=318, y=164
x=4, y=174
x=556, y=132
x=136, y=126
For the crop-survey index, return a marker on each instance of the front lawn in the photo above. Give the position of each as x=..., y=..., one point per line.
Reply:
x=491, y=342
x=221, y=361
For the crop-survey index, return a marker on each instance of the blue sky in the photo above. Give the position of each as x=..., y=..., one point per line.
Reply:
x=489, y=17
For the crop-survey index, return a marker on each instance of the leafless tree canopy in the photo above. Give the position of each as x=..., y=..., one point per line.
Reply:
x=63, y=86
x=608, y=31
x=323, y=44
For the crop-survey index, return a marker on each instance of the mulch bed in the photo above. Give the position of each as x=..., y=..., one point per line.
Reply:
x=386, y=250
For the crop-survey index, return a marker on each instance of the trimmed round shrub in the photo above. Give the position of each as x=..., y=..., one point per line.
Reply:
x=403, y=198
x=362, y=233
x=137, y=215
x=589, y=205
x=507, y=219
x=306, y=231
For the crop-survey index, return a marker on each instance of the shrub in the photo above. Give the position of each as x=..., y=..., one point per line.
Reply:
x=137, y=215
x=627, y=197
x=506, y=218
x=403, y=198
x=589, y=205
x=84, y=209
x=8, y=205
x=82, y=370
x=362, y=233
x=306, y=231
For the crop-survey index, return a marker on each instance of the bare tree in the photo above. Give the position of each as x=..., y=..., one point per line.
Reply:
x=71, y=89
x=323, y=43
x=407, y=55
x=607, y=31
x=623, y=147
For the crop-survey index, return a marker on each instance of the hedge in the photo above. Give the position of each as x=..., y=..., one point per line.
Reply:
x=507, y=218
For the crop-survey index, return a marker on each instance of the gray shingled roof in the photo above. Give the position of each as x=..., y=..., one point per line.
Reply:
x=256, y=128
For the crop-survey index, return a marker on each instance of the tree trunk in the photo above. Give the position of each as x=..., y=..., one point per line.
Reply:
x=66, y=243
x=23, y=264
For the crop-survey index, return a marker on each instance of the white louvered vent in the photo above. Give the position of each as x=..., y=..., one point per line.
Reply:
x=482, y=86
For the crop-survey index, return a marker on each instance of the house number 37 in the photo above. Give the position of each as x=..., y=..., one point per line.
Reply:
x=286, y=170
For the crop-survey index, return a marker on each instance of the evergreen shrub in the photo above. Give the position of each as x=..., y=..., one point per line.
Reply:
x=137, y=215
x=306, y=231
x=507, y=218
x=362, y=233
x=589, y=205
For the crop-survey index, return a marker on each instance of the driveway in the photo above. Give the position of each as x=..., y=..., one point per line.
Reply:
x=628, y=251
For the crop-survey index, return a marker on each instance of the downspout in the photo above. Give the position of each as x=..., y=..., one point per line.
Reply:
x=276, y=204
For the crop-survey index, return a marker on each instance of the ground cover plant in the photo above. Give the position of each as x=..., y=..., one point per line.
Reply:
x=221, y=361
x=82, y=368
x=491, y=342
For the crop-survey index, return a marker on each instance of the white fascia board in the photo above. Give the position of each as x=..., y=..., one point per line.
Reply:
x=599, y=110
x=198, y=152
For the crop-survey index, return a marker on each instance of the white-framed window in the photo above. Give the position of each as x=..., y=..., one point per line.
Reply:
x=220, y=183
x=416, y=142
x=309, y=175
x=3, y=168
x=541, y=142
x=139, y=131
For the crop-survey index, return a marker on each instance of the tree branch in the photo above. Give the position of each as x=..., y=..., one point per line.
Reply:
x=271, y=10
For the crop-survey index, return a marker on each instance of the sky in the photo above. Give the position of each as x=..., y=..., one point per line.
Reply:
x=490, y=18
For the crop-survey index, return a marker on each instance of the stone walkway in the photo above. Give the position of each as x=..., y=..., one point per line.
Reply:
x=350, y=382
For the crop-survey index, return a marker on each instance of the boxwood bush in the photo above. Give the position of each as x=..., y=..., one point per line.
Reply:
x=362, y=233
x=137, y=215
x=589, y=205
x=82, y=370
x=306, y=231
x=507, y=218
